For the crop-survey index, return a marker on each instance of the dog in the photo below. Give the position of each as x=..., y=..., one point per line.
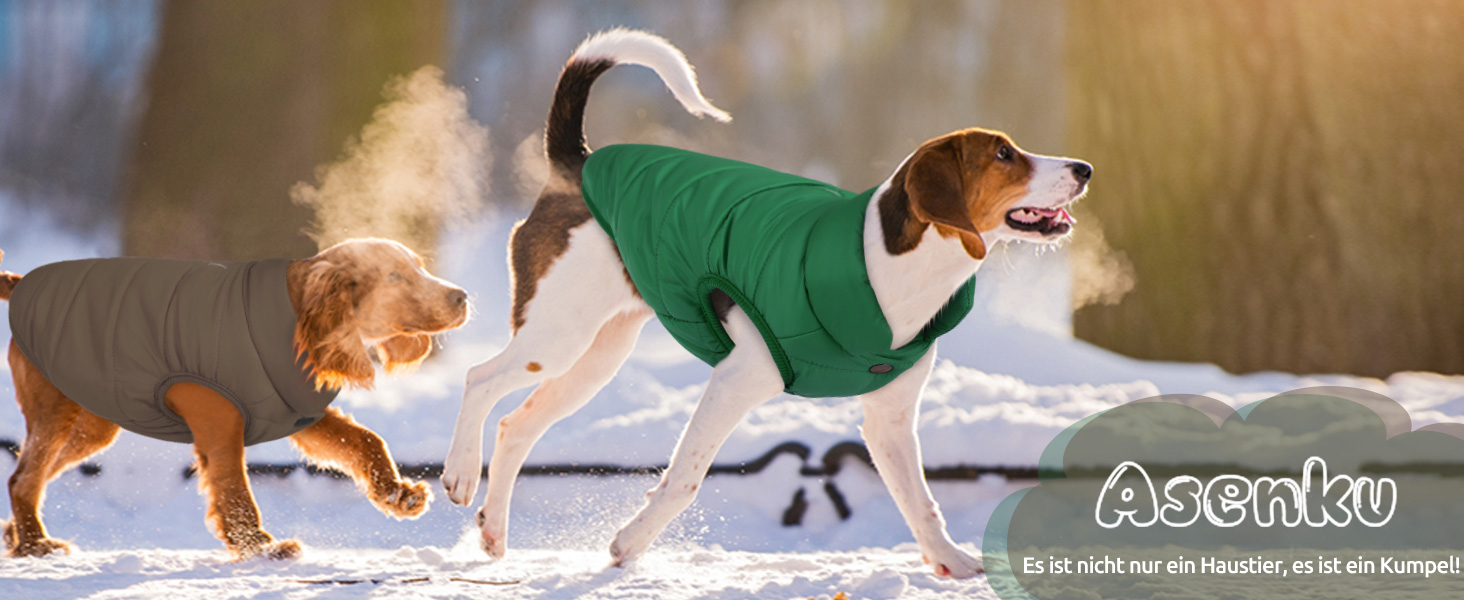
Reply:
x=220, y=355
x=890, y=269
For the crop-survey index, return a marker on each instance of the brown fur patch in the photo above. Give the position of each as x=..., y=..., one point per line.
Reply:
x=541, y=238
x=901, y=230
x=402, y=353
x=8, y=281
x=721, y=305
x=538, y=241
x=324, y=313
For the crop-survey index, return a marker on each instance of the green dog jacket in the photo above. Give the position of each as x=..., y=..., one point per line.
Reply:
x=114, y=334
x=788, y=250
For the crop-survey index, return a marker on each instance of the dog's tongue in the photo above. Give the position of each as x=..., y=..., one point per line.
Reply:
x=1060, y=214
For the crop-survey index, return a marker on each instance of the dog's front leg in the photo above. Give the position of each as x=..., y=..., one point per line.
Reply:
x=218, y=440
x=746, y=378
x=890, y=415
x=541, y=350
x=339, y=441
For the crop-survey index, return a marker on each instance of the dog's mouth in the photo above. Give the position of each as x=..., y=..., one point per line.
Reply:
x=444, y=321
x=436, y=326
x=440, y=327
x=1046, y=221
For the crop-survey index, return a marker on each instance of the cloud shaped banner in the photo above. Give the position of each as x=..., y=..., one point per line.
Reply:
x=1325, y=492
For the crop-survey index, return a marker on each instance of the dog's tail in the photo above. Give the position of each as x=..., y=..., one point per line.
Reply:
x=7, y=281
x=565, y=135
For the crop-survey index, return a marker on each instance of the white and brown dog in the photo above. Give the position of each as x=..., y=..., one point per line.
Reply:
x=576, y=314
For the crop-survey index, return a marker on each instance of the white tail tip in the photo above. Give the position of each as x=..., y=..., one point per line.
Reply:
x=629, y=46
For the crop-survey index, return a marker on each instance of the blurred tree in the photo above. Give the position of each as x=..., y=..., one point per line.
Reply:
x=246, y=98
x=69, y=90
x=1283, y=175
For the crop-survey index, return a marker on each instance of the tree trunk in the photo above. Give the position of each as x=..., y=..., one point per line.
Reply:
x=1283, y=176
x=246, y=99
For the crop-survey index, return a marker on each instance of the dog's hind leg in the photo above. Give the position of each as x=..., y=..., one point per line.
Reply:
x=339, y=441
x=50, y=418
x=583, y=289
x=553, y=400
x=890, y=415
x=89, y=435
x=744, y=379
x=218, y=441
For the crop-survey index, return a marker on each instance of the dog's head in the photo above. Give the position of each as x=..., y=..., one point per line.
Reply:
x=371, y=293
x=978, y=185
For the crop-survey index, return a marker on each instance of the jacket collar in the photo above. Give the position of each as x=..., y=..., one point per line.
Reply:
x=271, y=319
x=842, y=298
x=838, y=283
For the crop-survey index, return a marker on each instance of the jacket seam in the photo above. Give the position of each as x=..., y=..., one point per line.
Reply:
x=783, y=338
x=775, y=348
x=659, y=226
x=667, y=317
x=111, y=333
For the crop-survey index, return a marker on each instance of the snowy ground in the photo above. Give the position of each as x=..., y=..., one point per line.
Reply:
x=1009, y=381
x=429, y=572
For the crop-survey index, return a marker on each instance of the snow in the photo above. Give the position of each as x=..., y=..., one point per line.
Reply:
x=1009, y=380
x=432, y=572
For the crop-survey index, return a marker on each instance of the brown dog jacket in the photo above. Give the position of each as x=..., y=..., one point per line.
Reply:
x=114, y=334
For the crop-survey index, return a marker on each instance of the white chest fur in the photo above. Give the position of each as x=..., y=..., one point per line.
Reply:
x=912, y=286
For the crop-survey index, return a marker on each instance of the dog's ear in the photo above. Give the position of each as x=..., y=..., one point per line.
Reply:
x=937, y=192
x=404, y=352
x=326, y=329
x=7, y=281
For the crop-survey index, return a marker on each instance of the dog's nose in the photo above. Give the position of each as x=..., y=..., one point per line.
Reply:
x=457, y=298
x=1081, y=171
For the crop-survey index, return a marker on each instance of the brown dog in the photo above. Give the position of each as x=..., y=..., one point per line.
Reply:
x=333, y=306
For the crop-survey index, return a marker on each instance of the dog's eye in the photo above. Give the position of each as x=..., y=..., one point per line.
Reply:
x=395, y=277
x=1004, y=154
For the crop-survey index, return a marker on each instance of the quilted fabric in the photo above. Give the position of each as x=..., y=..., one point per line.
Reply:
x=788, y=250
x=114, y=334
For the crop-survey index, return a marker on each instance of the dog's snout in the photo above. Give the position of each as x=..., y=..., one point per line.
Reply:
x=1081, y=171
x=457, y=298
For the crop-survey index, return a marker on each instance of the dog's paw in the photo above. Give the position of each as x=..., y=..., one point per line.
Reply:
x=460, y=475
x=39, y=547
x=630, y=543
x=405, y=499
x=619, y=556
x=494, y=534
x=258, y=543
x=954, y=563
x=282, y=550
